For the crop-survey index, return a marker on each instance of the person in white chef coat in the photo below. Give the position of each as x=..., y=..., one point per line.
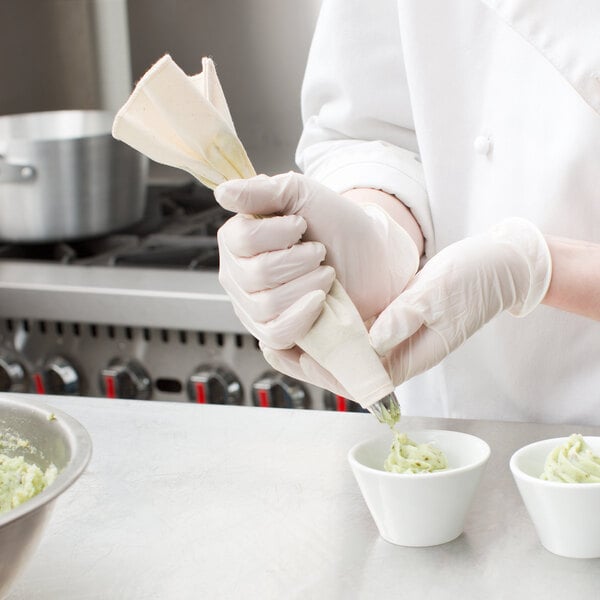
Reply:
x=440, y=140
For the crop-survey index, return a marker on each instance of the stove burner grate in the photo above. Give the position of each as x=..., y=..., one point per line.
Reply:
x=178, y=231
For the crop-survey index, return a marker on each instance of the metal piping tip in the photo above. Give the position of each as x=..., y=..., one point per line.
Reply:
x=386, y=410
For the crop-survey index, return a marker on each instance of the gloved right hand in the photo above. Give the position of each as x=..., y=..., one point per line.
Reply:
x=463, y=287
x=271, y=268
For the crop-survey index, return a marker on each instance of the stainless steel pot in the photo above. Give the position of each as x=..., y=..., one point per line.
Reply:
x=63, y=176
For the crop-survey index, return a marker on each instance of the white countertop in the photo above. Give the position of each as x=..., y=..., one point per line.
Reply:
x=190, y=501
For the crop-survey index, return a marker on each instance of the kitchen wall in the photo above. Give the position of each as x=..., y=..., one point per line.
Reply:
x=259, y=48
x=57, y=54
x=47, y=56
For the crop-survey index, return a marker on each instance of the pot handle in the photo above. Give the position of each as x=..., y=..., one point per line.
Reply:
x=10, y=173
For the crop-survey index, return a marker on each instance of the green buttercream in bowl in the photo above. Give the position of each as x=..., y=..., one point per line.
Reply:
x=572, y=462
x=407, y=456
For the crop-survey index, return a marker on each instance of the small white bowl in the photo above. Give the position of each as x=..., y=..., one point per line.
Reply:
x=566, y=516
x=424, y=509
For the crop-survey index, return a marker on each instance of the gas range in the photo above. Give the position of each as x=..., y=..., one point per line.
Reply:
x=137, y=314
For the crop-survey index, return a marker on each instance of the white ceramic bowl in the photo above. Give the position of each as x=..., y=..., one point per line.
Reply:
x=566, y=516
x=424, y=509
x=56, y=438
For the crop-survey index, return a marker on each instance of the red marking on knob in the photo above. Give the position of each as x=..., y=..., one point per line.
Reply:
x=263, y=398
x=341, y=403
x=200, y=393
x=38, y=381
x=109, y=384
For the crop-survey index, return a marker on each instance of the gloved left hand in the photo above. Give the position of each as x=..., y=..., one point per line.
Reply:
x=271, y=268
x=457, y=292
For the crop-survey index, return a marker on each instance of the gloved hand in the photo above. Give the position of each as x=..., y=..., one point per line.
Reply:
x=459, y=290
x=271, y=268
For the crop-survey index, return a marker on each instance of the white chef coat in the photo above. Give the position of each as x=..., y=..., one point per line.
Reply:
x=471, y=111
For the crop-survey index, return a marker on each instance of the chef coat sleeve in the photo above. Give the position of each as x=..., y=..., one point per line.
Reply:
x=358, y=124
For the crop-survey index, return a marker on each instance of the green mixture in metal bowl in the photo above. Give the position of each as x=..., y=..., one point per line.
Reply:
x=20, y=480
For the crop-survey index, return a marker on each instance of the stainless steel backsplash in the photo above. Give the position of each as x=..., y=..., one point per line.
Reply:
x=58, y=54
x=47, y=56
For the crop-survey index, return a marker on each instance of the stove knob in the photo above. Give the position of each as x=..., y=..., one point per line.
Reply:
x=275, y=389
x=58, y=377
x=334, y=402
x=215, y=385
x=12, y=375
x=125, y=379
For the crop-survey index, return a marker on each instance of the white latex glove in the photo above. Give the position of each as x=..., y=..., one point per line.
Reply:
x=271, y=268
x=459, y=290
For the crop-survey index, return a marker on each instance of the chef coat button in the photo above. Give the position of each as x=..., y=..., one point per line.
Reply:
x=482, y=144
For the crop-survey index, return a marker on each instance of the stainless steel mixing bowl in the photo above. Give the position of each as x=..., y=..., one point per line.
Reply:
x=54, y=437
